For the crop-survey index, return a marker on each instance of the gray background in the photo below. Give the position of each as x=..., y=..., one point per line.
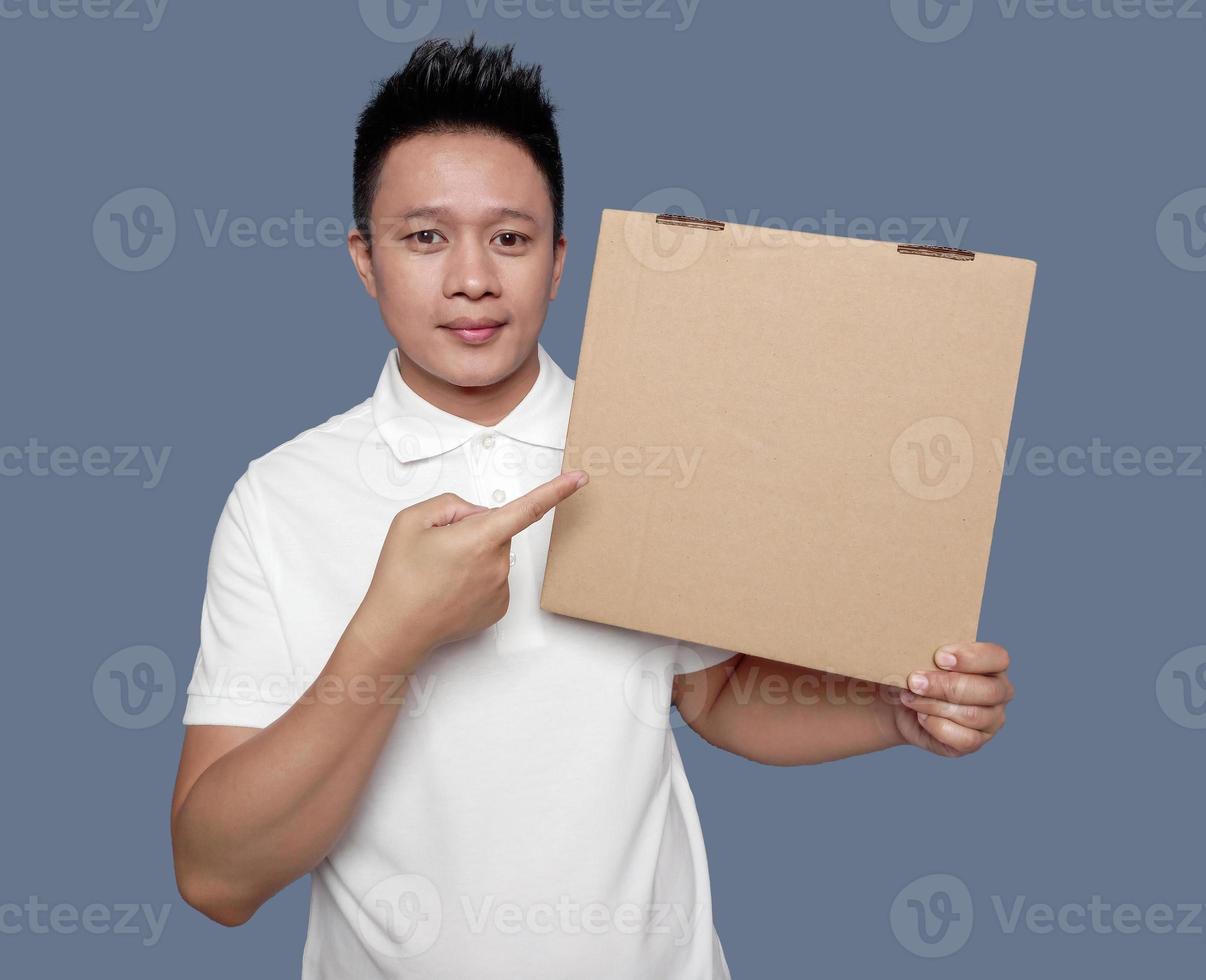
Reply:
x=1059, y=138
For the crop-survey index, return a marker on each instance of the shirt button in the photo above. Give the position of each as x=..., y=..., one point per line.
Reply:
x=499, y=496
x=512, y=557
x=488, y=440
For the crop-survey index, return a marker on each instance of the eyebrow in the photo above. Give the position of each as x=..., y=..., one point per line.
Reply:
x=438, y=212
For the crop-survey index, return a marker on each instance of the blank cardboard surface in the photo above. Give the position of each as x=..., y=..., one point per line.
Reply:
x=794, y=441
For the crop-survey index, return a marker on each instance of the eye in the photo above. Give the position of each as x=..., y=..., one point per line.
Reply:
x=418, y=236
x=518, y=239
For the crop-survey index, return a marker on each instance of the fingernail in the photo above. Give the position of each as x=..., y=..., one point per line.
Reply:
x=582, y=478
x=918, y=682
x=908, y=697
x=944, y=658
x=921, y=717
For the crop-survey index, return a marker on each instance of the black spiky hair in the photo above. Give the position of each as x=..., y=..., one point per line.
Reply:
x=446, y=88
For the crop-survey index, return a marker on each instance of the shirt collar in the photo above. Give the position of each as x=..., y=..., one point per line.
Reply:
x=414, y=428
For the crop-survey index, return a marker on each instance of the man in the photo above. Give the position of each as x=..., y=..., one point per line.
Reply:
x=478, y=788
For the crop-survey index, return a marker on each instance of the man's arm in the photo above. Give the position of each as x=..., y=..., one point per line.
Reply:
x=255, y=809
x=252, y=812
x=783, y=715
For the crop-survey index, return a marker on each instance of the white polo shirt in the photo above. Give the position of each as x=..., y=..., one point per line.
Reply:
x=529, y=815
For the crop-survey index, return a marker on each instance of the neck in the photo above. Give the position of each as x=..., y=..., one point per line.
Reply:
x=482, y=404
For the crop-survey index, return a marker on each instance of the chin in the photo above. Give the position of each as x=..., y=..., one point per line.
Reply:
x=472, y=366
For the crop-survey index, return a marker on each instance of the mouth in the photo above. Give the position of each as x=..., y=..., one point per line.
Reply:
x=474, y=331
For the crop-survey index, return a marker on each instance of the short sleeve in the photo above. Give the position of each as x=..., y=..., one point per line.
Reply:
x=243, y=674
x=690, y=657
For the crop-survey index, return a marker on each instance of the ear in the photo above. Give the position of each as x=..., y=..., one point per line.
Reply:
x=558, y=265
x=362, y=258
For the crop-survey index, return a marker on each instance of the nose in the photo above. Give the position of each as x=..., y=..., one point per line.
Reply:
x=470, y=271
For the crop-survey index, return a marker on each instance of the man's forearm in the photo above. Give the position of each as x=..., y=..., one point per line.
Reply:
x=784, y=715
x=269, y=810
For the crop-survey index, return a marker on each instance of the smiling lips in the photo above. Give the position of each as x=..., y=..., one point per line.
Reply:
x=474, y=331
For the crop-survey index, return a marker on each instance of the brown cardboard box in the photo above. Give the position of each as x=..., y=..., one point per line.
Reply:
x=794, y=441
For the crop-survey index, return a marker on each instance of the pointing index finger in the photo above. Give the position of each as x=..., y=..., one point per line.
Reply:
x=511, y=518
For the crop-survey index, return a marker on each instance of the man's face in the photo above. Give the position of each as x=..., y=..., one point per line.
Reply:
x=480, y=248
